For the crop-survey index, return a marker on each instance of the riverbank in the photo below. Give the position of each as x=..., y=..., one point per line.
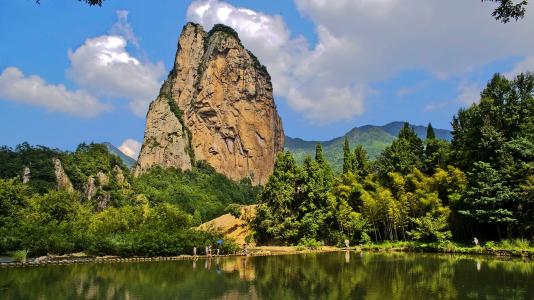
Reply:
x=448, y=248
x=81, y=258
x=451, y=248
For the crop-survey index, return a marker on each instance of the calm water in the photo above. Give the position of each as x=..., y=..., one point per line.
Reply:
x=340, y=275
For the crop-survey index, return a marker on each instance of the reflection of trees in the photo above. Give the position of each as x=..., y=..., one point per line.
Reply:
x=390, y=276
x=150, y=280
x=307, y=276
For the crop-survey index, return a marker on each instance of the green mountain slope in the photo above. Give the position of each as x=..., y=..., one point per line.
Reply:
x=373, y=138
x=128, y=161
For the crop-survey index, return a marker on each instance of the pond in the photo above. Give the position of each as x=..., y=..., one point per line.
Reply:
x=337, y=275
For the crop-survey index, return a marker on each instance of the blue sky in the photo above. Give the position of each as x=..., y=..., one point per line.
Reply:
x=334, y=65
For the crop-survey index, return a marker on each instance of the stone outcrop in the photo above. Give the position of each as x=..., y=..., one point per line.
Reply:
x=119, y=175
x=216, y=106
x=63, y=181
x=26, y=175
x=90, y=188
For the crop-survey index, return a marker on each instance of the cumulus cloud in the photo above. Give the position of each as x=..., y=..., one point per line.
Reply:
x=360, y=42
x=103, y=66
x=443, y=37
x=17, y=87
x=131, y=148
x=296, y=70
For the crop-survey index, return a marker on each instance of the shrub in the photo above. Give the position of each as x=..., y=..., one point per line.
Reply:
x=490, y=245
x=20, y=255
x=309, y=243
x=234, y=210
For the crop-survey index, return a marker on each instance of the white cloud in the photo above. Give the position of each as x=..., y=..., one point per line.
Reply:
x=468, y=93
x=526, y=65
x=360, y=42
x=443, y=37
x=123, y=28
x=17, y=87
x=296, y=70
x=103, y=66
x=131, y=148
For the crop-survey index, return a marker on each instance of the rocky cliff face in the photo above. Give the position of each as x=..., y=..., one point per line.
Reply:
x=216, y=106
x=63, y=181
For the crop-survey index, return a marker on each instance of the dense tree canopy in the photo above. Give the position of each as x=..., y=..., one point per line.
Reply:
x=427, y=190
x=494, y=142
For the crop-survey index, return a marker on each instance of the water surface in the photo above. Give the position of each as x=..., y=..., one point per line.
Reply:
x=339, y=275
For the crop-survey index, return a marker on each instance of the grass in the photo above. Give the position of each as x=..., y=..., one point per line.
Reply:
x=516, y=247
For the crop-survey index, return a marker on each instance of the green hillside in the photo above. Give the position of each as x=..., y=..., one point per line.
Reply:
x=373, y=138
x=128, y=161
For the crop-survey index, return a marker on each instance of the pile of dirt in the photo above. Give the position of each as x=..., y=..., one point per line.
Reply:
x=234, y=227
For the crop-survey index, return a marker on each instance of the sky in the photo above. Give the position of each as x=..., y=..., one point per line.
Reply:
x=71, y=73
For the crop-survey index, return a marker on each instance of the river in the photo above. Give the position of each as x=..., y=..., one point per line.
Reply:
x=337, y=275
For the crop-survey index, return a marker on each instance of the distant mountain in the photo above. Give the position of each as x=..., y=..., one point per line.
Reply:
x=373, y=138
x=128, y=161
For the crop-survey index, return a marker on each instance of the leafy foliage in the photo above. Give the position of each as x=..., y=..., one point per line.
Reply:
x=202, y=191
x=494, y=142
x=416, y=190
x=508, y=10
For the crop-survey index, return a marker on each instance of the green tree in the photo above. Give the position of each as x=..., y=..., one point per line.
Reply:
x=487, y=198
x=437, y=153
x=276, y=216
x=347, y=157
x=431, y=228
x=496, y=137
x=405, y=153
x=360, y=163
x=430, y=134
x=508, y=10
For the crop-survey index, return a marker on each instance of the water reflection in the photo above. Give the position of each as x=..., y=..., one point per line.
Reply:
x=340, y=275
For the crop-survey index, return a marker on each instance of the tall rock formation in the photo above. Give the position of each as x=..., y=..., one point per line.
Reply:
x=62, y=180
x=215, y=106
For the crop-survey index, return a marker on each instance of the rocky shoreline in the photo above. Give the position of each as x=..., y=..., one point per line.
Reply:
x=258, y=251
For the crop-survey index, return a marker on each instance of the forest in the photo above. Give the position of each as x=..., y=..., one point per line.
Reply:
x=479, y=185
x=429, y=190
x=153, y=214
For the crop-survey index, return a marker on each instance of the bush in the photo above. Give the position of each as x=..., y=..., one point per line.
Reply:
x=365, y=239
x=234, y=210
x=490, y=245
x=20, y=255
x=309, y=243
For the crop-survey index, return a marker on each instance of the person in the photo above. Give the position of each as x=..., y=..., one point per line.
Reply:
x=207, y=250
x=475, y=240
x=218, y=251
x=194, y=251
x=347, y=244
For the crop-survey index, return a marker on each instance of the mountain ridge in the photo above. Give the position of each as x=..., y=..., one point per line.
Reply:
x=373, y=138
